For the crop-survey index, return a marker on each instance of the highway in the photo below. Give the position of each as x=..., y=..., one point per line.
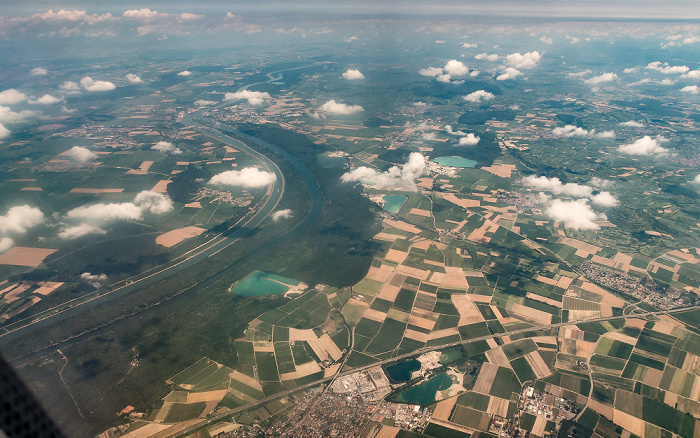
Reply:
x=415, y=353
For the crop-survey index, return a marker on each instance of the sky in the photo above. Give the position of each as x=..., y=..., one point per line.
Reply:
x=643, y=9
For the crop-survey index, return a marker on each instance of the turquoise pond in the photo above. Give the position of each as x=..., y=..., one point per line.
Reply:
x=327, y=162
x=401, y=372
x=393, y=203
x=424, y=394
x=454, y=161
x=262, y=283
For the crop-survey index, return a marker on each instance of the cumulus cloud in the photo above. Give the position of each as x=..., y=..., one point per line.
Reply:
x=5, y=244
x=449, y=130
x=19, y=219
x=469, y=140
x=90, y=84
x=93, y=279
x=601, y=183
x=693, y=74
x=579, y=73
x=39, y=71
x=81, y=154
x=630, y=70
x=403, y=176
x=509, y=73
x=166, y=147
x=134, y=78
x=431, y=71
x=456, y=68
x=247, y=177
x=468, y=45
x=546, y=40
x=645, y=146
x=145, y=201
x=632, y=124
x=575, y=131
x=4, y=132
x=605, y=77
x=478, y=96
x=46, y=99
x=70, y=86
x=9, y=116
x=11, y=97
x=143, y=13
x=336, y=108
x=486, y=56
x=281, y=214
x=555, y=186
x=254, y=98
x=81, y=230
x=666, y=69
x=605, y=199
x=352, y=74
x=526, y=61
x=577, y=214
x=692, y=89
x=696, y=180
x=185, y=73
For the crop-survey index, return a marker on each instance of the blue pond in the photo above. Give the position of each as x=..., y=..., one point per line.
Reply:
x=401, y=372
x=262, y=283
x=454, y=161
x=327, y=162
x=424, y=394
x=393, y=203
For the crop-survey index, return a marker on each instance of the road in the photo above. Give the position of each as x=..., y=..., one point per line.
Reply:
x=415, y=353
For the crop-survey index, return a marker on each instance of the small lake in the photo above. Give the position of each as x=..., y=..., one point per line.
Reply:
x=263, y=283
x=424, y=394
x=327, y=162
x=454, y=161
x=393, y=203
x=401, y=372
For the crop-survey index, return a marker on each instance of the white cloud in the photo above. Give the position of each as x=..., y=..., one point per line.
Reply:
x=604, y=134
x=351, y=39
x=667, y=81
x=166, y=147
x=691, y=40
x=247, y=177
x=185, y=73
x=4, y=132
x=444, y=78
x=93, y=277
x=145, y=201
x=440, y=41
x=509, y=73
x=605, y=77
x=693, y=74
x=469, y=140
x=468, y=45
x=486, y=56
x=630, y=70
x=46, y=99
x=478, y=96
x=403, y=176
x=576, y=214
x=353, y=74
x=70, y=86
x=143, y=13
x=254, y=98
x=90, y=84
x=5, y=244
x=449, y=130
x=81, y=154
x=555, y=186
x=11, y=97
x=692, y=89
x=333, y=107
x=645, y=146
x=67, y=110
x=134, y=78
x=570, y=131
x=579, y=74
x=546, y=40
x=429, y=136
x=696, y=180
x=281, y=214
x=666, y=69
x=632, y=124
x=431, y=71
x=9, y=116
x=19, y=219
x=601, y=183
x=605, y=199
x=74, y=232
x=573, y=40
x=456, y=68
x=526, y=61
x=39, y=71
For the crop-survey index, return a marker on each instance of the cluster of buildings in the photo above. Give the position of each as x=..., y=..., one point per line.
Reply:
x=371, y=386
x=630, y=285
x=113, y=137
x=224, y=197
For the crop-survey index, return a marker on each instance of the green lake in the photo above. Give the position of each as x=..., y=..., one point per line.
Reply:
x=393, y=203
x=424, y=394
x=454, y=161
x=401, y=372
x=327, y=162
x=263, y=283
